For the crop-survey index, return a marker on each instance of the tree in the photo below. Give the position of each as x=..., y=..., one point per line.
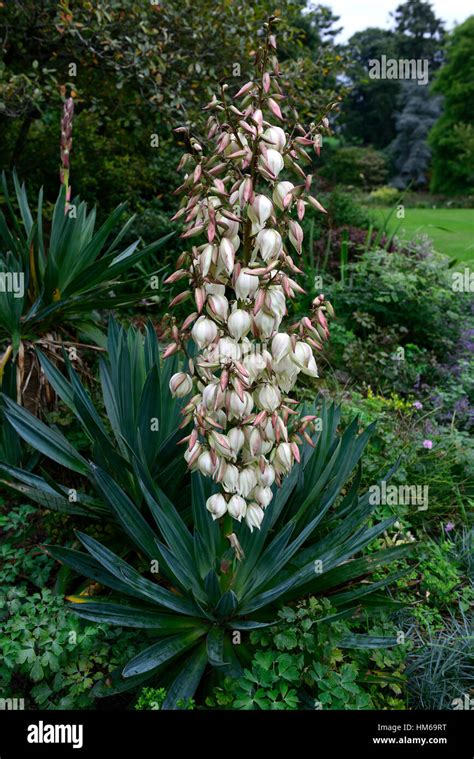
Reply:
x=420, y=33
x=136, y=70
x=368, y=112
x=452, y=137
x=410, y=151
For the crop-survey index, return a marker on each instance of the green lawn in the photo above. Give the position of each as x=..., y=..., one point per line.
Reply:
x=451, y=229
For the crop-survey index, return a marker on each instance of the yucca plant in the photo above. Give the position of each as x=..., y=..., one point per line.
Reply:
x=191, y=588
x=62, y=277
x=140, y=416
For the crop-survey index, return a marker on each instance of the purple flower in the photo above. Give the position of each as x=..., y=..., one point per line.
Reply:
x=428, y=444
x=449, y=526
x=418, y=405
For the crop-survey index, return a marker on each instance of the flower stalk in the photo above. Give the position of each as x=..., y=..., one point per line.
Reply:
x=65, y=147
x=243, y=223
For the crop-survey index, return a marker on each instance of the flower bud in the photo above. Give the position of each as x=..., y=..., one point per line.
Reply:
x=204, y=332
x=239, y=323
x=246, y=285
x=276, y=137
x=247, y=481
x=280, y=192
x=236, y=439
x=281, y=345
x=217, y=505
x=266, y=477
x=240, y=408
x=262, y=495
x=273, y=161
x=269, y=243
x=260, y=210
x=284, y=457
x=218, y=306
x=181, y=384
x=206, y=464
x=237, y=507
x=268, y=397
x=254, y=516
x=230, y=478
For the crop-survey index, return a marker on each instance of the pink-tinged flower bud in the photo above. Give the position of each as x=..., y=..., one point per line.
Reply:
x=273, y=162
x=254, y=516
x=276, y=137
x=275, y=300
x=275, y=108
x=207, y=464
x=282, y=189
x=268, y=397
x=204, y=332
x=243, y=90
x=281, y=345
x=247, y=481
x=193, y=231
x=262, y=496
x=300, y=209
x=217, y=505
x=316, y=204
x=237, y=507
x=284, y=458
x=266, y=477
x=236, y=439
x=191, y=456
x=269, y=243
x=239, y=323
x=257, y=117
x=218, y=306
x=296, y=235
x=266, y=82
x=240, y=408
x=260, y=210
x=227, y=255
x=181, y=384
x=205, y=259
x=246, y=285
x=220, y=443
x=213, y=397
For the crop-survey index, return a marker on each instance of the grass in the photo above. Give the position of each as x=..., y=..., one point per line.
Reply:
x=451, y=229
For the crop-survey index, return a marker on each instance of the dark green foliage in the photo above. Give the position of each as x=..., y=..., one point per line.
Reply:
x=142, y=417
x=452, y=137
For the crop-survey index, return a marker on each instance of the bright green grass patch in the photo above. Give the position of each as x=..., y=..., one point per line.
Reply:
x=451, y=229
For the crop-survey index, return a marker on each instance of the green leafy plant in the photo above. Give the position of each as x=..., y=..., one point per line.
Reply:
x=314, y=659
x=141, y=416
x=68, y=273
x=53, y=657
x=212, y=583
